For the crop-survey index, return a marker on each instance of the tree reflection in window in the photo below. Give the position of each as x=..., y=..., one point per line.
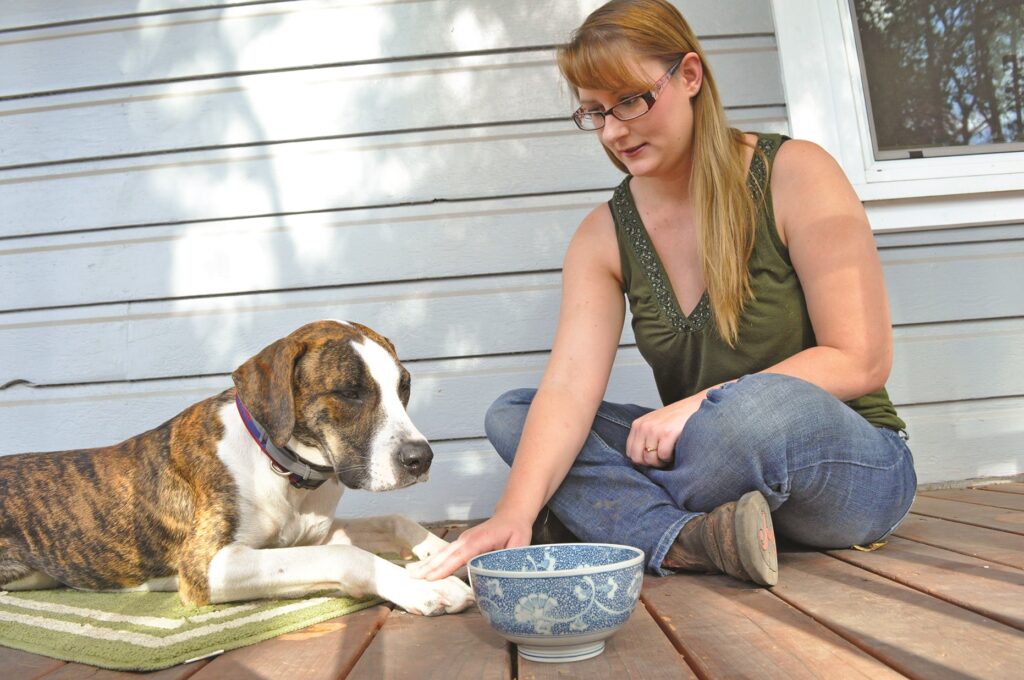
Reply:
x=943, y=76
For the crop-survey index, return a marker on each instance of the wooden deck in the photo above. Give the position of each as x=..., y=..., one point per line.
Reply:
x=945, y=599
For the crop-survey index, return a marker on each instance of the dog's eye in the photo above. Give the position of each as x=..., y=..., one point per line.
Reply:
x=349, y=394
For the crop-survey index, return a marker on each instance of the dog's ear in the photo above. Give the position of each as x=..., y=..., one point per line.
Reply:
x=265, y=384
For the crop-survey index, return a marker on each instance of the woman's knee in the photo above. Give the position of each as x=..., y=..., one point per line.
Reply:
x=740, y=436
x=503, y=422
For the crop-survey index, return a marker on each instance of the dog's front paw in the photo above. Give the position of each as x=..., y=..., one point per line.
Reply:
x=430, y=598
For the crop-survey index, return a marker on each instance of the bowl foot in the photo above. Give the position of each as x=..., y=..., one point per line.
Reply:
x=561, y=654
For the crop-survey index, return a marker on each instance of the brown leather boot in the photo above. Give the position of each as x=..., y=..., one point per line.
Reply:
x=735, y=538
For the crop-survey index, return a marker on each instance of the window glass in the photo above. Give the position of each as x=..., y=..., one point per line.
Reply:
x=943, y=77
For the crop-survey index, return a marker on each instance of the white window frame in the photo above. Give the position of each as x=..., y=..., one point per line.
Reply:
x=821, y=76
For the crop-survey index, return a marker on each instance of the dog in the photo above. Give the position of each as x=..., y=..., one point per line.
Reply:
x=234, y=498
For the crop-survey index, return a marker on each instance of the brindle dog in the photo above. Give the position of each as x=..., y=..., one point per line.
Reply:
x=234, y=498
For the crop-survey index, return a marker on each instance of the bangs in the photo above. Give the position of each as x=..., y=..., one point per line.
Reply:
x=598, y=62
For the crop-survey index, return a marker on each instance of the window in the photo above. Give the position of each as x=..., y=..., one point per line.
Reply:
x=941, y=77
x=916, y=99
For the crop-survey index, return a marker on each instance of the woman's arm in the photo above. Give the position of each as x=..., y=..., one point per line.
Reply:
x=589, y=326
x=822, y=222
x=833, y=251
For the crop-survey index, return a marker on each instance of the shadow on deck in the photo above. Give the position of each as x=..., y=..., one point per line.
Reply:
x=945, y=599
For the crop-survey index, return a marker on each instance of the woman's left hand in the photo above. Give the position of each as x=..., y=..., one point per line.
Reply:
x=653, y=436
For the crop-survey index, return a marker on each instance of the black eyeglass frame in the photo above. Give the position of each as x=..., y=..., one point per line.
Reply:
x=649, y=97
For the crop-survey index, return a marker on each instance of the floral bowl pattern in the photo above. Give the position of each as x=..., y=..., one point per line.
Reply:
x=558, y=602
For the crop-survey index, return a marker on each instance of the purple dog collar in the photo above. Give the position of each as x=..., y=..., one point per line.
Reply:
x=301, y=473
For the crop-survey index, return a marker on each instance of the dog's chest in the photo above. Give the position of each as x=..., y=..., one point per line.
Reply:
x=271, y=524
x=272, y=514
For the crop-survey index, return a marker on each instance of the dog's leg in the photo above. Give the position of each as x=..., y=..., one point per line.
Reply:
x=238, y=572
x=389, y=533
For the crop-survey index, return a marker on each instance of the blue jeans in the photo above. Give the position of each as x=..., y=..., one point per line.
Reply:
x=832, y=479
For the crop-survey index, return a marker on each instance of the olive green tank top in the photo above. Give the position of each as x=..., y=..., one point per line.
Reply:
x=685, y=350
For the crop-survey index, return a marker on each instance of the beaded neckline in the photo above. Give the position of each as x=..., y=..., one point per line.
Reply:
x=627, y=215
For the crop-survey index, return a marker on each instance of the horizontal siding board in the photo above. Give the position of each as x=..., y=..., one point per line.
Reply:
x=427, y=319
x=307, y=33
x=21, y=14
x=213, y=335
x=927, y=284
x=331, y=102
x=321, y=175
x=94, y=415
x=957, y=360
x=923, y=236
x=954, y=360
x=334, y=249
x=966, y=440
x=955, y=282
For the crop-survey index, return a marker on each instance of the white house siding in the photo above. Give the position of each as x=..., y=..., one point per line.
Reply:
x=180, y=186
x=957, y=298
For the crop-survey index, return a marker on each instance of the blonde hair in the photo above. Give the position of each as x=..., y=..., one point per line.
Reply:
x=602, y=56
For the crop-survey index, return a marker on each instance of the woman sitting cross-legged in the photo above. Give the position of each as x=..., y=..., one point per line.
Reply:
x=757, y=298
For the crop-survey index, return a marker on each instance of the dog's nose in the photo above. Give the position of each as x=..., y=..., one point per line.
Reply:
x=415, y=457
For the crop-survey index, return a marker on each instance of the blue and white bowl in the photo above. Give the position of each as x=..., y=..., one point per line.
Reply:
x=558, y=602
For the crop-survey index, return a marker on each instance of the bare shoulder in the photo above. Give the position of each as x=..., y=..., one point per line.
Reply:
x=800, y=160
x=598, y=224
x=594, y=246
x=807, y=185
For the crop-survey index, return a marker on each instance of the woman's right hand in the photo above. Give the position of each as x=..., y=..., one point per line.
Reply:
x=496, y=533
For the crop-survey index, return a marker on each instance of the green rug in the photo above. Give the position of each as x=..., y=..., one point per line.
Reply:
x=150, y=631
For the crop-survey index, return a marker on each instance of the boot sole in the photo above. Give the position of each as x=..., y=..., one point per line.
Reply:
x=755, y=539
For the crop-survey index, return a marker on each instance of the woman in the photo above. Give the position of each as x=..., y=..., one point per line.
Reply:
x=758, y=300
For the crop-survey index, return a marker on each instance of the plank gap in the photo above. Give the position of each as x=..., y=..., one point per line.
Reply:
x=966, y=522
x=1010, y=488
x=676, y=643
x=982, y=497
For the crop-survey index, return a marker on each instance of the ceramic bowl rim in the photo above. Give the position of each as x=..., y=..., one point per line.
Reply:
x=638, y=558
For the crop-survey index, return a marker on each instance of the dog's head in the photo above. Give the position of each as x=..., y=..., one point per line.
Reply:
x=338, y=388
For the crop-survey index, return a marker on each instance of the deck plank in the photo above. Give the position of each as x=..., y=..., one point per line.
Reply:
x=729, y=629
x=639, y=650
x=1012, y=487
x=986, y=544
x=1010, y=501
x=990, y=589
x=324, y=651
x=918, y=635
x=19, y=665
x=459, y=646
x=968, y=513
x=77, y=671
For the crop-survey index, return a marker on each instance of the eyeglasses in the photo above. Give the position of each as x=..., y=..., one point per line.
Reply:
x=627, y=109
